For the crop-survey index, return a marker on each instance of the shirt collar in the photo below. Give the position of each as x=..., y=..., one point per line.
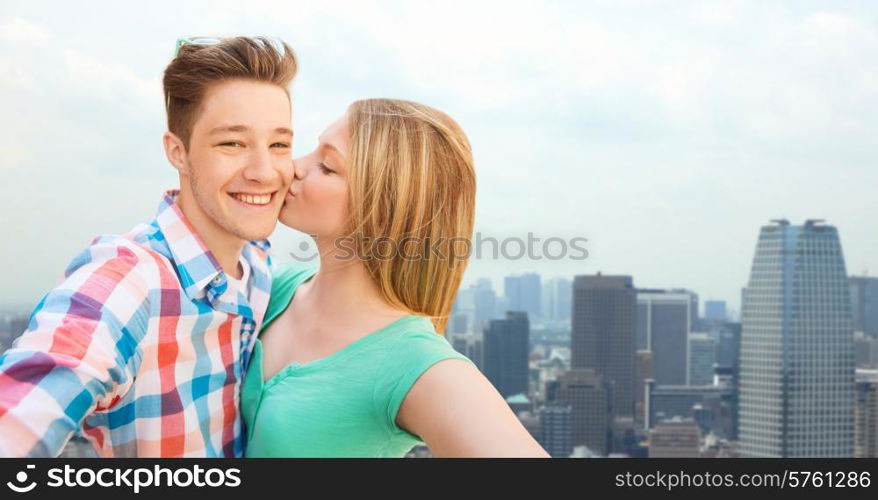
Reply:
x=199, y=272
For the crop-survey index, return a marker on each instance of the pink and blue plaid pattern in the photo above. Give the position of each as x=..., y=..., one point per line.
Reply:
x=141, y=347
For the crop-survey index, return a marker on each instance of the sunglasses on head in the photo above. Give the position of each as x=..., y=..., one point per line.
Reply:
x=194, y=40
x=273, y=42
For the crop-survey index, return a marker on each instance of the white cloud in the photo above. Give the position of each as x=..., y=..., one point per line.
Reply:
x=87, y=74
x=18, y=31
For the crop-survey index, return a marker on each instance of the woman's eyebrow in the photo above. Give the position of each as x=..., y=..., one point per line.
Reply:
x=331, y=146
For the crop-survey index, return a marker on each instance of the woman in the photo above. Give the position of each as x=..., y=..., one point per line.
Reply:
x=349, y=361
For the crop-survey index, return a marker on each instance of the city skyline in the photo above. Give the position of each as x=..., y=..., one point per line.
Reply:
x=585, y=381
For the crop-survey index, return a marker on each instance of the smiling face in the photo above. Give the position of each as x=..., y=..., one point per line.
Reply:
x=317, y=200
x=237, y=168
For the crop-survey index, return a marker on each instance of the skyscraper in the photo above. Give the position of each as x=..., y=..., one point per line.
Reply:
x=556, y=299
x=547, y=300
x=715, y=310
x=642, y=372
x=796, y=360
x=477, y=303
x=728, y=337
x=664, y=321
x=463, y=307
x=524, y=293
x=865, y=351
x=556, y=430
x=602, y=334
x=588, y=396
x=505, y=352
x=470, y=345
x=866, y=415
x=677, y=438
x=727, y=378
x=484, y=302
x=702, y=356
x=864, y=300
x=501, y=305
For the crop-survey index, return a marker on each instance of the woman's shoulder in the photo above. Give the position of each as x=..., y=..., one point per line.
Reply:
x=416, y=334
x=415, y=346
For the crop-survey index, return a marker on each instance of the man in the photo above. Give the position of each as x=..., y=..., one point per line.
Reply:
x=142, y=345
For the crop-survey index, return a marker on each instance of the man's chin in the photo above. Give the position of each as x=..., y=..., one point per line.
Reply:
x=251, y=228
x=250, y=234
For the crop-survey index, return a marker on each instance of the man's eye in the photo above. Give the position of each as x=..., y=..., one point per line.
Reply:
x=280, y=145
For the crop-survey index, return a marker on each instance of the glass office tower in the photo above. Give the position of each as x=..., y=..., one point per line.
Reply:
x=796, y=359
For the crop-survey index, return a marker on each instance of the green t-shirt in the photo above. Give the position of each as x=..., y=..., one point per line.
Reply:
x=342, y=405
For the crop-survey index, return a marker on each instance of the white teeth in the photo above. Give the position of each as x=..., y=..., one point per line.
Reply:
x=262, y=199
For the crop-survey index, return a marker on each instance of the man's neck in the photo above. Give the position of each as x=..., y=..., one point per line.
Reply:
x=226, y=248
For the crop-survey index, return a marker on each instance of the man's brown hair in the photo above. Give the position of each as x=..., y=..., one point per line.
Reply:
x=197, y=67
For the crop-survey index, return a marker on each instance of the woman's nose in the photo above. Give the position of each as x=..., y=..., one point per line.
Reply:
x=299, y=170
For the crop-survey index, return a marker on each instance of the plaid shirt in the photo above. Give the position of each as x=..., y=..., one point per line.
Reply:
x=140, y=347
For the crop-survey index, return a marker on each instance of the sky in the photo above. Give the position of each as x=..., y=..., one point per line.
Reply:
x=665, y=133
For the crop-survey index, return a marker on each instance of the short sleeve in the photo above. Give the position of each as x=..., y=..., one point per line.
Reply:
x=412, y=354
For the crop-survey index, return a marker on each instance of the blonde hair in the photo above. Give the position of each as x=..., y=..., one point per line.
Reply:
x=411, y=179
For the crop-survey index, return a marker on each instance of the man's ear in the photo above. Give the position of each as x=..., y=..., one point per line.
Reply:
x=175, y=151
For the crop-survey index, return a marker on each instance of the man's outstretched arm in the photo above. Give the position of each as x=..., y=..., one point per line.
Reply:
x=78, y=354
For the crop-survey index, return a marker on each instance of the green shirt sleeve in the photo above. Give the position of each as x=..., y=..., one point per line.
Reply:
x=411, y=354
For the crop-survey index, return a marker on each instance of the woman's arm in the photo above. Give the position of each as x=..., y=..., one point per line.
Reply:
x=458, y=413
